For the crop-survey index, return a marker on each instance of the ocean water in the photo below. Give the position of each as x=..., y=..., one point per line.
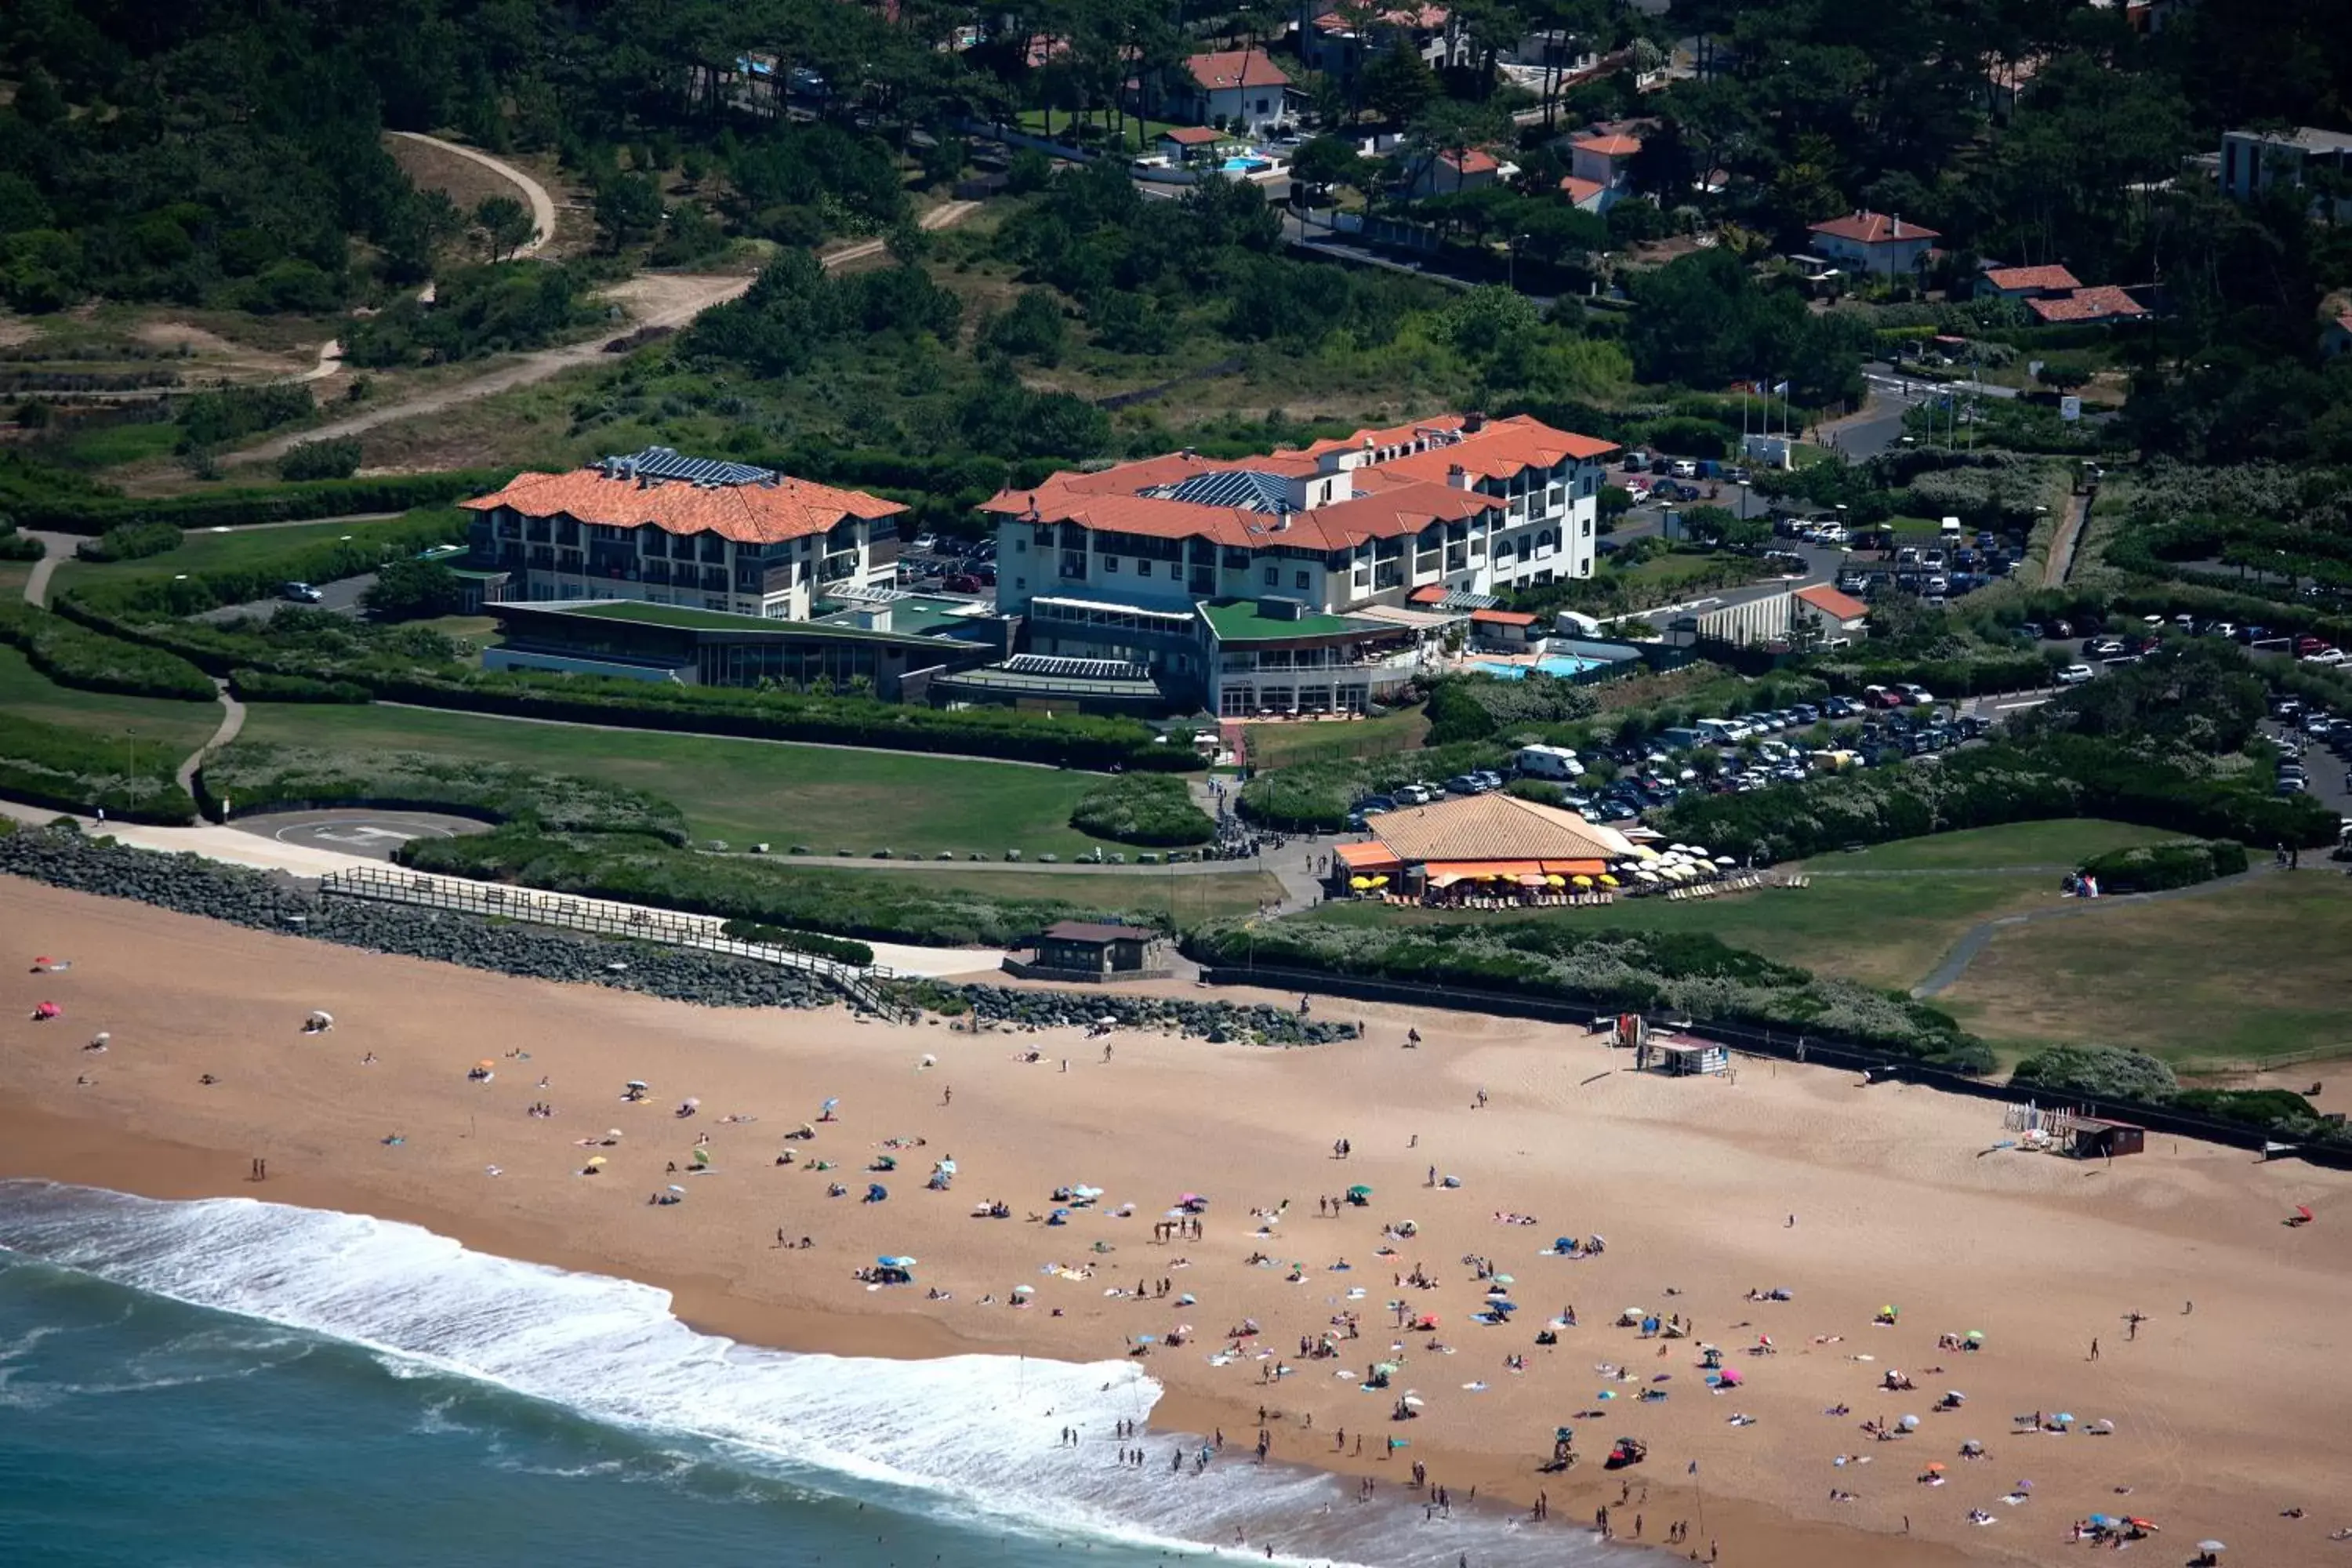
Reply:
x=236, y=1385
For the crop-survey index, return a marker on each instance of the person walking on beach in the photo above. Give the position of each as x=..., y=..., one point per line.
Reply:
x=2095, y=1349
x=947, y=1094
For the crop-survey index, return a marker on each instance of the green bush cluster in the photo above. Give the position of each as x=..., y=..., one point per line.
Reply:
x=841, y=903
x=131, y=542
x=1976, y=675
x=73, y=655
x=839, y=949
x=2150, y=867
x=17, y=546
x=1670, y=971
x=69, y=770
x=335, y=460
x=1143, y=808
x=253, y=775
x=43, y=501
x=233, y=412
x=1477, y=706
x=266, y=685
x=2115, y=1074
x=128, y=603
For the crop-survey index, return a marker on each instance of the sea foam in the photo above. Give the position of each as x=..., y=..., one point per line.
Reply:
x=972, y=1436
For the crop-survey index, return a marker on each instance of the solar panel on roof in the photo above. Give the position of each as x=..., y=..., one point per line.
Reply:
x=1243, y=488
x=1070, y=668
x=667, y=463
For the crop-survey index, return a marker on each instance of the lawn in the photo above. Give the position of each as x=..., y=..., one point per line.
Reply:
x=1285, y=745
x=105, y=446
x=1141, y=134
x=142, y=721
x=1886, y=931
x=207, y=550
x=1189, y=900
x=831, y=799
x=2063, y=843
x=2236, y=976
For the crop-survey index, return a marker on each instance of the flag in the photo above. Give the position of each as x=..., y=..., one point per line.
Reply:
x=1781, y=390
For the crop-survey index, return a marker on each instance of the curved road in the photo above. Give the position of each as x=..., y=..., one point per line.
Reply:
x=1972, y=942
x=542, y=205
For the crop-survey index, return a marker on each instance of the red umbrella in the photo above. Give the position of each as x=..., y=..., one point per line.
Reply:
x=2304, y=1210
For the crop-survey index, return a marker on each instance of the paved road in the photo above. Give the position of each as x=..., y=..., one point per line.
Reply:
x=342, y=597
x=232, y=721
x=56, y=547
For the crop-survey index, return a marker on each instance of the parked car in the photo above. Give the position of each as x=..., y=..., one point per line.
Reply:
x=2076, y=673
x=299, y=592
x=961, y=583
x=1684, y=469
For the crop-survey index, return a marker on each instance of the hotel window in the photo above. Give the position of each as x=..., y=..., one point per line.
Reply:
x=1585, y=528
x=1110, y=565
x=1020, y=547
x=1301, y=582
x=1274, y=576
x=1022, y=583
x=1143, y=566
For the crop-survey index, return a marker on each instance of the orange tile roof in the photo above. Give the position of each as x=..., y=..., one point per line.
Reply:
x=1374, y=857
x=1608, y=146
x=1873, y=229
x=1420, y=17
x=1236, y=67
x=1476, y=160
x=2103, y=303
x=2011, y=277
x=1830, y=602
x=748, y=514
x=1482, y=828
x=1193, y=135
x=1502, y=618
x=1502, y=449
x=1433, y=594
x=1580, y=192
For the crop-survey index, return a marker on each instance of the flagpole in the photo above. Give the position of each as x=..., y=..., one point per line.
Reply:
x=1700, y=1487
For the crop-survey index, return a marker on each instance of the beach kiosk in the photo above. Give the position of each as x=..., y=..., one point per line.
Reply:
x=1083, y=951
x=2094, y=1138
x=1687, y=1058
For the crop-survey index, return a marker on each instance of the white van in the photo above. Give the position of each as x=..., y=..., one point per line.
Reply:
x=1721, y=731
x=1548, y=763
x=1950, y=531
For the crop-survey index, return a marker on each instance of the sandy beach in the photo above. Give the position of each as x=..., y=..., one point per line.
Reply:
x=2226, y=1413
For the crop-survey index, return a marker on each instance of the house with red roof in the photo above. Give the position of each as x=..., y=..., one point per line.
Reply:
x=1603, y=159
x=1874, y=243
x=2026, y=282
x=1334, y=45
x=1328, y=551
x=1832, y=614
x=696, y=532
x=1458, y=169
x=1238, y=90
x=2088, y=308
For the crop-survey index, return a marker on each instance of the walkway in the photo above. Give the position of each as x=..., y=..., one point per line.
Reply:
x=2063, y=544
x=55, y=547
x=542, y=205
x=682, y=297
x=232, y=721
x=1964, y=952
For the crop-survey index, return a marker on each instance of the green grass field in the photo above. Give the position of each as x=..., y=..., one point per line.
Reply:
x=106, y=446
x=1284, y=745
x=1189, y=900
x=1887, y=932
x=743, y=791
x=2238, y=977
x=142, y=722
x=2063, y=843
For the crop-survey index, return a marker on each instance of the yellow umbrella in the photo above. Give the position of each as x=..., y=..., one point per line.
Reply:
x=1380, y=881
x=1360, y=883
x=1554, y=879
x=596, y=1159
x=1587, y=881
x=1607, y=881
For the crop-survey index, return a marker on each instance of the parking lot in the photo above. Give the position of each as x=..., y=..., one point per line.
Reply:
x=965, y=568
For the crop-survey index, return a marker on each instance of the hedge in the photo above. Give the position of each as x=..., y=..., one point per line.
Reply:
x=131, y=542
x=72, y=654
x=841, y=903
x=69, y=770
x=1980, y=676
x=67, y=511
x=2153, y=867
x=1143, y=808
x=255, y=775
x=2097, y=1072
x=1650, y=972
x=1474, y=707
x=839, y=949
x=15, y=546
x=266, y=685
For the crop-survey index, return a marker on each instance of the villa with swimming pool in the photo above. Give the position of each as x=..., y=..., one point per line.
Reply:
x=1310, y=581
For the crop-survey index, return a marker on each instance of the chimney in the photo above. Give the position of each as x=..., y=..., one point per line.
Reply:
x=1898, y=226
x=1458, y=476
x=1472, y=423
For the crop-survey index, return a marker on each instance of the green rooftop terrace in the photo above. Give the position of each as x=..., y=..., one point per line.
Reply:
x=1244, y=621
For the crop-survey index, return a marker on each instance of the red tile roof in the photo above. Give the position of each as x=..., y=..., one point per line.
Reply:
x=1613, y=146
x=1423, y=17
x=1873, y=229
x=2013, y=279
x=2105, y=303
x=1502, y=618
x=1476, y=160
x=1236, y=67
x=1831, y=602
x=1580, y=192
x=1498, y=450
x=1433, y=594
x=748, y=514
x=1193, y=135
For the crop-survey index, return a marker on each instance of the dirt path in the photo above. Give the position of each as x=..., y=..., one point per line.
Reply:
x=542, y=205
x=659, y=300
x=232, y=721
x=2063, y=542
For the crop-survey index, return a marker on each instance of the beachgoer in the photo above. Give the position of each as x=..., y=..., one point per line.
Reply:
x=2094, y=1350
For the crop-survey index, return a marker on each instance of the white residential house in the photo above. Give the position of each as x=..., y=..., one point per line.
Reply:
x=1465, y=169
x=1241, y=90
x=2254, y=161
x=1600, y=165
x=1874, y=244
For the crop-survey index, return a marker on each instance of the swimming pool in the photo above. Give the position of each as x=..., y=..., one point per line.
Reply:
x=1560, y=664
x=1245, y=165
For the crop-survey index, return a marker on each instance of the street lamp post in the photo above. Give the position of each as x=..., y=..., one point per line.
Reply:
x=1517, y=241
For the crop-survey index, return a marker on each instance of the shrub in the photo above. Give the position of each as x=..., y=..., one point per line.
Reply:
x=72, y=654
x=56, y=505
x=1143, y=808
x=842, y=903
x=68, y=770
x=1474, y=707
x=413, y=590
x=2273, y=1110
x=254, y=775
x=233, y=412
x=836, y=947
x=263, y=686
x=1608, y=970
x=2097, y=1072
x=15, y=546
x=2152, y=866
x=130, y=541
x=338, y=460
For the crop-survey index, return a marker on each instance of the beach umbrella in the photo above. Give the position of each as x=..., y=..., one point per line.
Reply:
x=1024, y=1290
x=1554, y=879
x=1360, y=1192
x=829, y=1104
x=1910, y=1424
x=596, y=1159
x=1413, y=1402
x=612, y=1133
x=1976, y=1335
x=1607, y=881
x=2212, y=1546
x=1381, y=881
x=701, y=1155
x=636, y=1083
x=2304, y=1210
x=1935, y=1466
x=486, y=1064
x=676, y=1188
x=1731, y=1378
x=694, y=1102
x=896, y=1261
x=2065, y=1418
x=1505, y=1279
x=1360, y=883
